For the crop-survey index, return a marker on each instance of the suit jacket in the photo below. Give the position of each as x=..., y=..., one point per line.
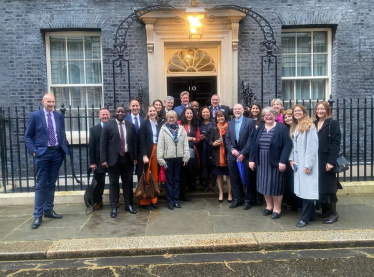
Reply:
x=179, y=109
x=280, y=145
x=129, y=119
x=245, y=137
x=146, y=143
x=225, y=109
x=36, y=134
x=94, y=147
x=110, y=142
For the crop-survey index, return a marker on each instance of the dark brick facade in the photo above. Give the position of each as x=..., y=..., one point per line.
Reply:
x=23, y=23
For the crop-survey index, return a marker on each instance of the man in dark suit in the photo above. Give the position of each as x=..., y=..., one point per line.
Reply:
x=238, y=139
x=185, y=102
x=94, y=153
x=215, y=107
x=134, y=117
x=46, y=140
x=118, y=153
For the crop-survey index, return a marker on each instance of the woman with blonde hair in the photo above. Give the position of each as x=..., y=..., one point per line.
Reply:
x=304, y=162
x=277, y=105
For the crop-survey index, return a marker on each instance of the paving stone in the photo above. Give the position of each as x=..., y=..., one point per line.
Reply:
x=100, y=224
x=42, y=233
x=179, y=222
x=9, y=224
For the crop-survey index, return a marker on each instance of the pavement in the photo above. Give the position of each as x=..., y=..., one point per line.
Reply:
x=201, y=226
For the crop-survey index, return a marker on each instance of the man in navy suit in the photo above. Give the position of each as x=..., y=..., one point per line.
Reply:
x=46, y=140
x=215, y=107
x=185, y=102
x=238, y=139
x=134, y=117
x=94, y=153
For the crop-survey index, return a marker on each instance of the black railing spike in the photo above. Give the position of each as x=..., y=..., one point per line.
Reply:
x=331, y=101
x=63, y=109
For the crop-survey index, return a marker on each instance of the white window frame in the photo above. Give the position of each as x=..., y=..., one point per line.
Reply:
x=329, y=59
x=83, y=133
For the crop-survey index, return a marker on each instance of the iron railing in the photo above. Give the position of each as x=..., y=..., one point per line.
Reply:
x=17, y=172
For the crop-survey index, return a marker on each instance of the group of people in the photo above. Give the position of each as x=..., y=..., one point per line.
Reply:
x=283, y=153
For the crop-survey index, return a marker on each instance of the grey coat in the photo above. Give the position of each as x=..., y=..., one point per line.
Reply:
x=305, y=154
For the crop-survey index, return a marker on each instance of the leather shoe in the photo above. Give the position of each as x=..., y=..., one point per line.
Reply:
x=247, y=205
x=331, y=219
x=52, y=214
x=171, y=207
x=235, y=204
x=186, y=198
x=147, y=207
x=37, y=222
x=275, y=215
x=154, y=205
x=177, y=205
x=113, y=213
x=301, y=224
x=267, y=212
x=130, y=209
x=98, y=206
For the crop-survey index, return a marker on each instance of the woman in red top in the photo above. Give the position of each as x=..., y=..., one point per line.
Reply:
x=189, y=121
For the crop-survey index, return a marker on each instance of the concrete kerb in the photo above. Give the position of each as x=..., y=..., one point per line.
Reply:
x=76, y=197
x=178, y=244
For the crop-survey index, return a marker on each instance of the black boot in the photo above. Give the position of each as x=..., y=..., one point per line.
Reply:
x=325, y=210
x=333, y=217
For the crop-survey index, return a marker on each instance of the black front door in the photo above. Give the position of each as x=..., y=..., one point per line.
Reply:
x=200, y=88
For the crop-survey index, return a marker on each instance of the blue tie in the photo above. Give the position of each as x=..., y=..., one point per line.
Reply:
x=136, y=124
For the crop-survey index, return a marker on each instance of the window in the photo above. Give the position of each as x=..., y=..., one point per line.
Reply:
x=306, y=66
x=74, y=63
x=191, y=60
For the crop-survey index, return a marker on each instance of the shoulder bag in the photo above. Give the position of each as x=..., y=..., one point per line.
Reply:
x=341, y=163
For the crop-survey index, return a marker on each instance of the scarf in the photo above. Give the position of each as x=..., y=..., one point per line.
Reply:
x=222, y=131
x=173, y=128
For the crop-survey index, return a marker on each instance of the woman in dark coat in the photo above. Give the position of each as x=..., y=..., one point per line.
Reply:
x=255, y=113
x=205, y=149
x=219, y=154
x=329, y=137
x=190, y=123
x=289, y=196
x=270, y=148
x=148, y=135
x=161, y=115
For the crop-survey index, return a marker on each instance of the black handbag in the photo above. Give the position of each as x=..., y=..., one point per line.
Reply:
x=341, y=163
x=88, y=194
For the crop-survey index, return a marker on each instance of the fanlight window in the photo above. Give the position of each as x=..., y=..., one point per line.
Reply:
x=191, y=60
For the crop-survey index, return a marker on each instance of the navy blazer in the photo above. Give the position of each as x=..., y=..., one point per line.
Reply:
x=36, y=135
x=225, y=109
x=280, y=145
x=129, y=119
x=179, y=109
x=245, y=137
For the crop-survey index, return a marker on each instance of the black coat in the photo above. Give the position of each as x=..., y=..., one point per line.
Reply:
x=280, y=145
x=329, y=137
x=94, y=147
x=225, y=109
x=110, y=142
x=145, y=143
x=213, y=136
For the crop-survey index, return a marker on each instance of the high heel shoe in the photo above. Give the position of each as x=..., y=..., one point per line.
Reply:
x=220, y=201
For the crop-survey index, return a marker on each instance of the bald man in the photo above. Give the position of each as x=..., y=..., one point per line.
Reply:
x=46, y=140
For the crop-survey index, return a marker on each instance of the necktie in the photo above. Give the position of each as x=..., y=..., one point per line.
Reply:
x=122, y=151
x=215, y=111
x=136, y=124
x=51, y=132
